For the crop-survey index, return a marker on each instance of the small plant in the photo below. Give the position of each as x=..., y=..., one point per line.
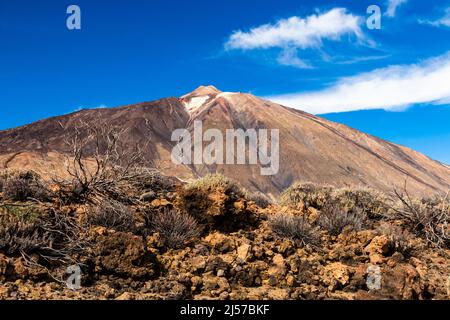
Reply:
x=53, y=239
x=306, y=194
x=28, y=213
x=293, y=227
x=151, y=179
x=259, y=199
x=334, y=219
x=213, y=182
x=112, y=215
x=177, y=229
x=23, y=186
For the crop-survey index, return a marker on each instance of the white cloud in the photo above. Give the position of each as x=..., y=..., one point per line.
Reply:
x=442, y=22
x=359, y=59
x=298, y=33
x=392, y=7
x=391, y=88
x=289, y=57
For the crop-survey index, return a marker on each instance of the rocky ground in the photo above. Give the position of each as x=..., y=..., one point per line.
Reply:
x=237, y=254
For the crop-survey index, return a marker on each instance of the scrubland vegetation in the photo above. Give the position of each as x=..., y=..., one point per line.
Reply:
x=137, y=234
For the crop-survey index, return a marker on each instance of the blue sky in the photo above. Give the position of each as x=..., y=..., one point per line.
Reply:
x=313, y=55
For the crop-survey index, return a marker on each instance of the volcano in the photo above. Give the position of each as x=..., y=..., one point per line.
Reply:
x=311, y=149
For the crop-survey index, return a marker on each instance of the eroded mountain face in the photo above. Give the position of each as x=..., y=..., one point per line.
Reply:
x=310, y=148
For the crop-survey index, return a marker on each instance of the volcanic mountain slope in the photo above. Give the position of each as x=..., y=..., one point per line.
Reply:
x=311, y=148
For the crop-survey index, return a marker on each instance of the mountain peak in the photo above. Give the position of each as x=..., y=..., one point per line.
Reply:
x=197, y=98
x=310, y=148
x=204, y=91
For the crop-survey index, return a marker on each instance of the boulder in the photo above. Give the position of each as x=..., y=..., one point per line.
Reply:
x=336, y=274
x=377, y=249
x=122, y=254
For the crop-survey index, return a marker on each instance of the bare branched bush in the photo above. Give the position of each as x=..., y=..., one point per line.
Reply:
x=177, y=229
x=427, y=219
x=334, y=219
x=47, y=241
x=99, y=163
x=260, y=199
x=112, y=215
x=306, y=194
x=294, y=227
x=22, y=186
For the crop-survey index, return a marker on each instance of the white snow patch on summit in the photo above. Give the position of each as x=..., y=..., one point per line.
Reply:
x=196, y=102
x=225, y=94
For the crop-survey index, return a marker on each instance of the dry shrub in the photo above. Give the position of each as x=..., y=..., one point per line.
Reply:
x=400, y=240
x=212, y=182
x=177, y=229
x=260, y=199
x=293, y=227
x=99, y=164
x=369, y=201
x=22, y=186
x=334, y=219
x=50, y=240
x=112, y=215
x=427, y=219
x=306, y=194
x=152, y=179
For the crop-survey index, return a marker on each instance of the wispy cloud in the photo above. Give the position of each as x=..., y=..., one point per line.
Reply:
x=393, y=6
x=391, y=88
x=289, y=57
x=354, y=60
x=297, y=33
x=444, y=21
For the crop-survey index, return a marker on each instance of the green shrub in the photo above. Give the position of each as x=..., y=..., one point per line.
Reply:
x=27, y=213
x=212, y=182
